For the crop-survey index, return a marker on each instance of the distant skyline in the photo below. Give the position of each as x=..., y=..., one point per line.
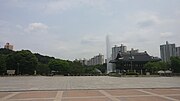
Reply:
x=70, y=29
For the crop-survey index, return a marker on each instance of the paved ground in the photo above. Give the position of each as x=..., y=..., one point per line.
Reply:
x=165, y=94
x=84, y=82
x=89, y=88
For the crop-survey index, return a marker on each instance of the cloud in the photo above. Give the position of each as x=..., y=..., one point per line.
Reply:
x=90, y=39
x=166, y=34
x=146, y=23
x=36, y=27
x=56, y=6
x=61, y=5
x=145, y=20
x=19, y=27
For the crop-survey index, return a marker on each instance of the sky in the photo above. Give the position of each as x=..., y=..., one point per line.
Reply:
x=74, y=29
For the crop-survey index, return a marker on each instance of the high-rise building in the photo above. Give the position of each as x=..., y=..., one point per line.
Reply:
x=8, y=46
x=133, y=51
x=99, y=59
x=116, y=49
x=82, y=61
x=167, y=50
x=178, y=51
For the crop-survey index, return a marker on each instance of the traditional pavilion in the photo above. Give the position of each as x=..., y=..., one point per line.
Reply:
x=132, y=61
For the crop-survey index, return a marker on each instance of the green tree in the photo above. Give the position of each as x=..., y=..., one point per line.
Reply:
x=42, y=69
x=77, y=68
x=5, y=51
x=60, y=66
x=24, y=62
x=163, y=65
x=43, y=59
x=175, y=64
x=149, y=66
x=153, y=67
x=2, y=64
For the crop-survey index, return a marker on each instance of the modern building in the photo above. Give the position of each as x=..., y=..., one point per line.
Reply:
x=178, y=51
x=8, y=46
x=99, y=59
x=133, y=51
x=116, y=49
x=167, y=50
x=82, y=61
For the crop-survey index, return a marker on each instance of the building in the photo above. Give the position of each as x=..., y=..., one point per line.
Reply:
x=178, y=51
x=116, y=49
x=132, y=61
x=8, y=46
x=133, y=51
x=167, y=50
x=99, y=59
x=82, y=61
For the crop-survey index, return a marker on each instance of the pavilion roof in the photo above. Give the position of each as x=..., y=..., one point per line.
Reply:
x=138, y=57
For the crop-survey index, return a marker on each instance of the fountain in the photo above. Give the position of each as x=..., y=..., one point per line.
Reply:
x=108, y=54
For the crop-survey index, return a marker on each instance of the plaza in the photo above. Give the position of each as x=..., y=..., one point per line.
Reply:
x=89, y=88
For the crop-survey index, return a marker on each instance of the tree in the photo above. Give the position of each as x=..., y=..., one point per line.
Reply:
x=60, y=66
x=175, y=64
x=42, y=69
x=24, y=62
x=149, y=66
x=5, y=51
x=76, y=68
x=43, y=59
x=2, y=64
x=156, y=66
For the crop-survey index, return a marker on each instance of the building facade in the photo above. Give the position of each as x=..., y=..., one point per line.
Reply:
x=178, y=51
x=116, y=49
x=133, y=51
x=8, y=46
x=99, y=59
x=167, y=51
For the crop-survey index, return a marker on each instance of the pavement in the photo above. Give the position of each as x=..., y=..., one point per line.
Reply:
x=89, y=88
x=24, y=83
x=163, y=94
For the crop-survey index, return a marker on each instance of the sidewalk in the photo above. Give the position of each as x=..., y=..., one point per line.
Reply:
x=89, y=88
x=163, y=94
x=84, y=82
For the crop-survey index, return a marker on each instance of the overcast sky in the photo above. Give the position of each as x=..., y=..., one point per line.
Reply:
x=70, y=29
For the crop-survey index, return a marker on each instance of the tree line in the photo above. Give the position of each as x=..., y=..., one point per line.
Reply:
x=25, y=62
x=173, y=65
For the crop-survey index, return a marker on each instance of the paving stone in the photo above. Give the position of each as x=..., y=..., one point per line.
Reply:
x=87, y=99
x=3, y=94
x=96, y=95
x=175, y=97
x=163, y=91
x=34, y=100
x=84, y=82
x=126, y=92
x=144, y=98
x=80, y=93
x=35, y=94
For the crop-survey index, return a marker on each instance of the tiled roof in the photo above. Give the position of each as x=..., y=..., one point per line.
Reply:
x=144, y=56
